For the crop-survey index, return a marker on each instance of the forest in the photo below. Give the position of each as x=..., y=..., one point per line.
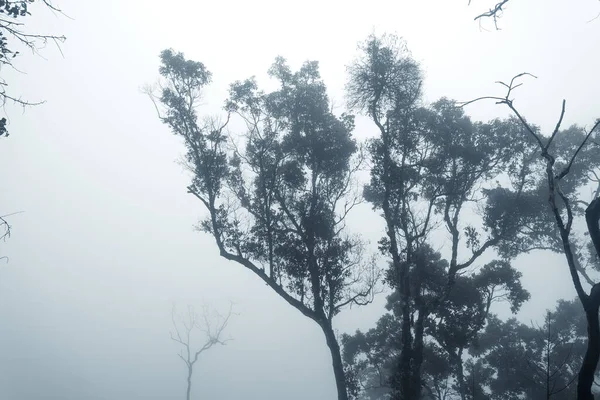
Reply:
x=374, y=238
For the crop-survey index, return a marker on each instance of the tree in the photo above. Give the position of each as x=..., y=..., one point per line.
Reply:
x=450, y=330
x=460, y=320
x=12, y=36
x=534, y=362
x=570, y=157
x=430, y=166
x=213, y=332
x=278, y=202
x=562, y=350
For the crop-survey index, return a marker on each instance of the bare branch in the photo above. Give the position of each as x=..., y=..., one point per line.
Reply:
x=494, y=13
x=568, y=167
x=562, y=114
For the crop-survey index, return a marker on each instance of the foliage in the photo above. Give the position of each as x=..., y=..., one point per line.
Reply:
x=506, y=360
x=450, y=329
x=431, y=167
x=534, y=362
x=277, y=197
x=562, y=168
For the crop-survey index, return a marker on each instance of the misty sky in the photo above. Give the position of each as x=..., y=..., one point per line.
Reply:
x=106, y=243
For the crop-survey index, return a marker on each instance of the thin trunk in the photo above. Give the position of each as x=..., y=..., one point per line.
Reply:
x=473, y=382
x=548, y=339
x=406, y=355
x=189, y=384
x=592, y=353
x=460, y=374
x=417, y=355
x=336, y=360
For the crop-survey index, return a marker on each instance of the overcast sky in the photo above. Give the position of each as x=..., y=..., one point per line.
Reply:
x=106, y=244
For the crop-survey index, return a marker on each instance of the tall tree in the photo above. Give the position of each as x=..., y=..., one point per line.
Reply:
x=430, y=166
x=14, y=36
x=277, y=203
x=570, y=158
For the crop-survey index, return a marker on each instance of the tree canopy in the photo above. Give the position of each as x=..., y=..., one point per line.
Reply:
x=278, y=191
x=277, y=202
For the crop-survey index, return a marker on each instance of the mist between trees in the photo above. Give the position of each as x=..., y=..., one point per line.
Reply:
x=278, y=191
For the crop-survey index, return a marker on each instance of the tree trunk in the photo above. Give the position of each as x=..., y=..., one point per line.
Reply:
x=336, y=359
x=591, y=304
x=460, y=375
x=406, y=354
x=189, y=384
x=417, y=355
x=592, y=353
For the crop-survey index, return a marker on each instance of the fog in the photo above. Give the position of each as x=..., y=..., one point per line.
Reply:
x=106, y=245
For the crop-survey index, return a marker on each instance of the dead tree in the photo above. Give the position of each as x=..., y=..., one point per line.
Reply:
x=212, y=328
x=562, y=210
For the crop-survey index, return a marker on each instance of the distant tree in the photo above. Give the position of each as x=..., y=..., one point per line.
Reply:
x=277, y=202
x=562, y=351
x=14, y=36
x=431, y=167
x=459, y=321
x=534, y=362
x=212, y=326
x=571, y=159
x=449, y=331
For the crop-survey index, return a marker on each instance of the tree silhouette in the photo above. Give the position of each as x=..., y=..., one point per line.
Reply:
x=429, y=166
x=277, y=202
x=533, y=362
x=567, y=169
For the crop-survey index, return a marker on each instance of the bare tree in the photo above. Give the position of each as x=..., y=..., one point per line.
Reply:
x=211, y=324
x=563, y=206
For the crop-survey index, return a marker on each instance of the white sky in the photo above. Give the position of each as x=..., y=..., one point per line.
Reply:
x=105, y=245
